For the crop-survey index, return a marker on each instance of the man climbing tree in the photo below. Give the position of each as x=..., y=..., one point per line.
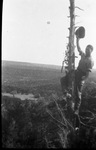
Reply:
x=81, y=74
x=73, y=80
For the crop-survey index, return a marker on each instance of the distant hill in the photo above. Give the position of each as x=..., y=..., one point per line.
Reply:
x=29, y=65
x=23, y=73
x=28, y=76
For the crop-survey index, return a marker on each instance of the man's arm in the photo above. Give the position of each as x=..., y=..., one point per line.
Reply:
x=86, y=76
x=78, y=46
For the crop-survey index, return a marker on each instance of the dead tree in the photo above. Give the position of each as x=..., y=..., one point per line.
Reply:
x=71, y=61
x=71, y=47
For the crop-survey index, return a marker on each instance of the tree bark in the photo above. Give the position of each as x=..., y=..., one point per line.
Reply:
x=71, y=60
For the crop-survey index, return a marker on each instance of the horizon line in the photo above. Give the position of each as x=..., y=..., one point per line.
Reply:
x=29, y=62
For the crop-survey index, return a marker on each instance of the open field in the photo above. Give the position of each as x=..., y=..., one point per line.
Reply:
x=30, y=76
x=27, y=77
x=32, y=105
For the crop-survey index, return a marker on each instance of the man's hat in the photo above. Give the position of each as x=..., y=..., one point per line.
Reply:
x=80, y=32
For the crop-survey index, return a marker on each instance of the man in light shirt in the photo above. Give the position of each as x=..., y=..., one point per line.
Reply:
x=81, y=74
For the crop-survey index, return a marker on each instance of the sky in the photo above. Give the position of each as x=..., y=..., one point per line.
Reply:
x=36, y=30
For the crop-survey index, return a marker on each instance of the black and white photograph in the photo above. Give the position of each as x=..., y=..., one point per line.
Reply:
x=48, y=74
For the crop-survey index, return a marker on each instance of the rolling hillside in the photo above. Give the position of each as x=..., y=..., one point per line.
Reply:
x=28, y=75
x=19, y=70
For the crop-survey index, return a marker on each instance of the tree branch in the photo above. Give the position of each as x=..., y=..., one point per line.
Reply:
x=55, y=118
x=79, y=8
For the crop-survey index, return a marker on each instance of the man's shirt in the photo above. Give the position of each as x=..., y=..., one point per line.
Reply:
x=86, y=63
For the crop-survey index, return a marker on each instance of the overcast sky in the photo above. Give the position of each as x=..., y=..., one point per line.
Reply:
x=36, y=30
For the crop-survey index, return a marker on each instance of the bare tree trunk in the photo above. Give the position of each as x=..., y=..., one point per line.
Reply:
x=71, y=61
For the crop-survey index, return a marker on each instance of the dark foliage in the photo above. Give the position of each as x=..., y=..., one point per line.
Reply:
x=26, y=124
